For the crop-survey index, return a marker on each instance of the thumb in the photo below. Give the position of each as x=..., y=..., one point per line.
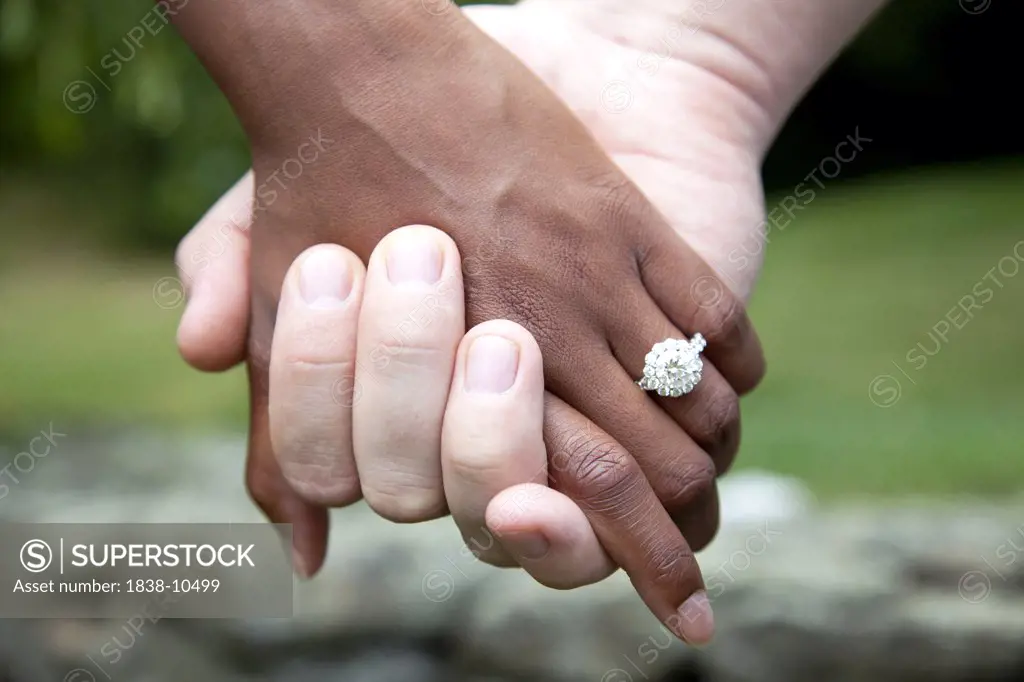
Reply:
x=213, y=263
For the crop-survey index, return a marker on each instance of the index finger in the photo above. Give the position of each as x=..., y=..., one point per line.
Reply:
x=603, y=479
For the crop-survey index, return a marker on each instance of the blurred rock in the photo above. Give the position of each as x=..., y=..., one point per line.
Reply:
x=753, y=495
x=866, y=594
x=383, y=665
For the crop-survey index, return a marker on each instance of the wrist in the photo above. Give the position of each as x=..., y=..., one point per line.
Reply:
x=750, y=61
x=283, y=63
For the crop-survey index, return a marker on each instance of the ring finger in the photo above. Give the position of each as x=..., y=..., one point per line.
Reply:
x=710, y=412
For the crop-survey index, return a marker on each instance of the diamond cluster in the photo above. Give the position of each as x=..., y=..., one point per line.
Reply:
x=673, y=367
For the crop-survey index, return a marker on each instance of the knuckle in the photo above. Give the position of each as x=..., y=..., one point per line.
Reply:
x=478, y=467
x=568, y=443
x=311, y=363
x=671, y=566
x=719, y=428
x=700, y=522
x=605, y=478
x=321, y=484
x=724, y=323
x=334, y=493
x=406, y=353
x=692, y=481
x=406, y=503
x=618, y=202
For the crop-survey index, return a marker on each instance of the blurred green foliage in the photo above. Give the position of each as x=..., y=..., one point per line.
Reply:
x=104, y=100
x=157, y=134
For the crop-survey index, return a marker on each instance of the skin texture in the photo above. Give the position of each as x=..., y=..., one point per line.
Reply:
x=436, y=124
x=716, y=66
x=481, y=393
x=312, y=361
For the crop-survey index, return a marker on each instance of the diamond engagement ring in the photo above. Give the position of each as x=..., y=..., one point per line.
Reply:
x=673, y=367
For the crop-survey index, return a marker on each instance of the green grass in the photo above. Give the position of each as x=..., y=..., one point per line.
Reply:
x=82, y=341
x=853, y=284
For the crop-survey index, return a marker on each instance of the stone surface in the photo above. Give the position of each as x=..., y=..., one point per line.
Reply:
x=922, y=591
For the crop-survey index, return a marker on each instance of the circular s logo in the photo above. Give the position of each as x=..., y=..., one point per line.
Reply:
x=437, y=7
x=974, y=587
x=36, y=556
x=707, y=291
x=168, y=292
x=616, y=97
x=79, y=97
x=347, y=391
x=975, y=6
x=438, y=586
x=884, y=390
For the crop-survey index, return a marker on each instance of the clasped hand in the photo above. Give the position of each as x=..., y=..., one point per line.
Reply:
x=367, y=387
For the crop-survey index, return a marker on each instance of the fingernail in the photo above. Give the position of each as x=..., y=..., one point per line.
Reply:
x=491, y=365
x=697, y=624
x=530, y=545
x=414, y=256
x=325, y=279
